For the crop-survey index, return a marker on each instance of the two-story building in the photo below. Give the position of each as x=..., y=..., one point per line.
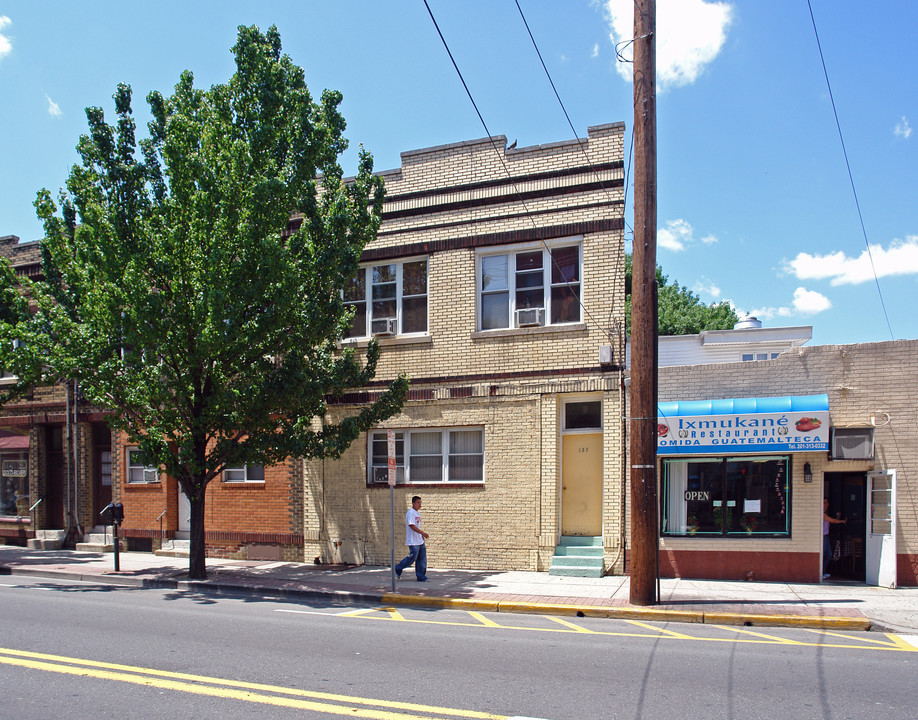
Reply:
x=496, y=283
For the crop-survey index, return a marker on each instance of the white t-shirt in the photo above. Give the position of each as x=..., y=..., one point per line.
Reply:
x=413, y=517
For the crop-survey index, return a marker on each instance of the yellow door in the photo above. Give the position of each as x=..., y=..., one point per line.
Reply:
x=581, y=484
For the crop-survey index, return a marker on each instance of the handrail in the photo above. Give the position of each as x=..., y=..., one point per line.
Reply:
x=160, y=518
x=32, y=521
x=37, y=503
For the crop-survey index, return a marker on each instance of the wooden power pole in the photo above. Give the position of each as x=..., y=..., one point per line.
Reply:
x=644, y=546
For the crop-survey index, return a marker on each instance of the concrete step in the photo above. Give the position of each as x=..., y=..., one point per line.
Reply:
x=47, y=540
x=578, y=556
x=579, y=550
x=568, y=571
x=100, y=547
x=588, y=540
x=174, y=548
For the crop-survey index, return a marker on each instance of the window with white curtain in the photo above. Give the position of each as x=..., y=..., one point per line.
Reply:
x=429, y=455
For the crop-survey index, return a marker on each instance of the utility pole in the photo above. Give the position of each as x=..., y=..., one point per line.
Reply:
x=644, y=545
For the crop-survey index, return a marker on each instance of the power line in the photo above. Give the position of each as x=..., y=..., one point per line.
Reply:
x=503, y=163
x=841, y=137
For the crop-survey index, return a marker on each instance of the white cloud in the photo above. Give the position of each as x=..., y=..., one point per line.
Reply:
x=903, y=129
x=900, y=258
x=595, y=52
x=690, y=35
x=810, y=302
x=6, y=45
x=805, y=302
x=53, y=108
x=706, y=287
x=678, y=234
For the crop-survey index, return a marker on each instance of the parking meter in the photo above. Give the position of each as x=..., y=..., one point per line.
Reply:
x=117, y=513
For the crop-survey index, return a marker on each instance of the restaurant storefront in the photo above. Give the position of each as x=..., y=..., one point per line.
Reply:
x=733, y=474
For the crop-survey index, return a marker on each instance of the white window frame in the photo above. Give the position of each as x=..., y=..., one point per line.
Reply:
x=241, y=474
x=148, y=473
x=511, y=252
x=378, y=474
x=400, y=297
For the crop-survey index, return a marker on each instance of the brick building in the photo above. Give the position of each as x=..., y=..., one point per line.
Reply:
x=495, y=282
x=55, y=450
x=753, y=507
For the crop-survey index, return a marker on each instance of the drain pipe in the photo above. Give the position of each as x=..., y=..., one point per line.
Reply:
x=76, y=459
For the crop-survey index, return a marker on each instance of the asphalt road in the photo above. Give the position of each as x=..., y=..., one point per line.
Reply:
x=76, y=650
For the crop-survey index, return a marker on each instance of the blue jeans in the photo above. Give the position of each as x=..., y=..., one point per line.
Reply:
x=417, y=556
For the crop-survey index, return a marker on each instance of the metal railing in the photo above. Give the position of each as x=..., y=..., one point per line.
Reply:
x=32, y=512
x=160, y=518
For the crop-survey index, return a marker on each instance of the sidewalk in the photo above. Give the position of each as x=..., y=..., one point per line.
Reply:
x=838, y=606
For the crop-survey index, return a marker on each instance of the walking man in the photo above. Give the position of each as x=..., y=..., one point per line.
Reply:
x=414, y=539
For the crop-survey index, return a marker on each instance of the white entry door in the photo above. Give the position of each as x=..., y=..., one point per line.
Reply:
x=881, y=529
x=184, y=514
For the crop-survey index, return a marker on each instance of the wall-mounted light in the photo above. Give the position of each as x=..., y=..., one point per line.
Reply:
x=807, y=473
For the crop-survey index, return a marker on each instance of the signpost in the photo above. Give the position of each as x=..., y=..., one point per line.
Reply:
x=390, y=441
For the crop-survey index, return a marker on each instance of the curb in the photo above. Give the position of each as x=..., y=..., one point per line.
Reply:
x=628, y=612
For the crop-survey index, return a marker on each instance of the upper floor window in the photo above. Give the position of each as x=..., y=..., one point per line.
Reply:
x=536, y=286
x=244, y=474
x=388, y=299
x=138, y=471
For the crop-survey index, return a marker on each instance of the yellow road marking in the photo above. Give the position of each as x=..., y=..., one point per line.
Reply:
x=394, y=614
x=487, y=622
x=898, y=646
x=883, y=643
x=771, y=638
x=900, y=643
x=170, y=680
x=355, y=613
x=662, y=631
x=572, y=626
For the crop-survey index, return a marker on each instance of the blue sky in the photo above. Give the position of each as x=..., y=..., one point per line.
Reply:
x=755, y=204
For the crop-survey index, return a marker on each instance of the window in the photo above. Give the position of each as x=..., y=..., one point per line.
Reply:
x=14, y=484
x=244, y=474
x=138, y=471
x=733, y=497
x=749, y=357
x=434, y=455
x=389, y=299
x=538, y=286
x=583, y=415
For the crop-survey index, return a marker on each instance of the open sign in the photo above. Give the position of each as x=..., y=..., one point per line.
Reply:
x=697, y=495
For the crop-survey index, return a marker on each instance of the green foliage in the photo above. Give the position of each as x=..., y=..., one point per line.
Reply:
x=173, y=292
x=680, y=311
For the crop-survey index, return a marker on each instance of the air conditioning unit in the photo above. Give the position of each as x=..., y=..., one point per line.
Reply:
x=529, y=317
x=384, y=326
x=852, y=443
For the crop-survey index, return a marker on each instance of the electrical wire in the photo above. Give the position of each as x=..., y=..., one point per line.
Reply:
x=503, y=163
x=841, y=137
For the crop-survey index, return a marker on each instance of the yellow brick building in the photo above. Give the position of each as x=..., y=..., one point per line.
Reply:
x=496, y=283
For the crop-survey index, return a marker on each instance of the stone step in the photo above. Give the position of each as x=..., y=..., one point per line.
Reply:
x=589, y=540
x=568, y=571
x=576, y=561
x=579, y=550
x=47, y=540
x=100, y=547
x=174, y=548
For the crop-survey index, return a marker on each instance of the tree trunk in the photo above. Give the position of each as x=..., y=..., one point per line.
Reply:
x=197, y=568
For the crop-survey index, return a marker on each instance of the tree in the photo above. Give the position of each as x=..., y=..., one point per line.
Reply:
x=176, y=295
x=681, y=311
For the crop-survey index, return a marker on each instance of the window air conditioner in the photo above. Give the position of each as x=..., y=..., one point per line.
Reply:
x=384, y=326
x=528, y=317
x=852, y=443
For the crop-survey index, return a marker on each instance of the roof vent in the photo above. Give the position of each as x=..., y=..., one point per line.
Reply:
x=750, y=321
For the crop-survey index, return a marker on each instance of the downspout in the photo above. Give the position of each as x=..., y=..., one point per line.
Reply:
x=76, y=459
x=66, y=444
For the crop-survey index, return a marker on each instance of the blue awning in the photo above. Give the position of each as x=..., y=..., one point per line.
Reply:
x=744, y=406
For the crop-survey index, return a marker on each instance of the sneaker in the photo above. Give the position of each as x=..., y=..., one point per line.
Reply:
x=826, y=575
x=423, y=580
x=398, y=574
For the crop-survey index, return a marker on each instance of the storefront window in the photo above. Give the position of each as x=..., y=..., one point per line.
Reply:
x=735, y=497
x=14, y=484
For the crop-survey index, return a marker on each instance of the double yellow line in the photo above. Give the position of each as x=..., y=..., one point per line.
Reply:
x=330, y=703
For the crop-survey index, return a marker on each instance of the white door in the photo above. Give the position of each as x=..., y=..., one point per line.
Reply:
x=184, y=515
x=881, y=529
